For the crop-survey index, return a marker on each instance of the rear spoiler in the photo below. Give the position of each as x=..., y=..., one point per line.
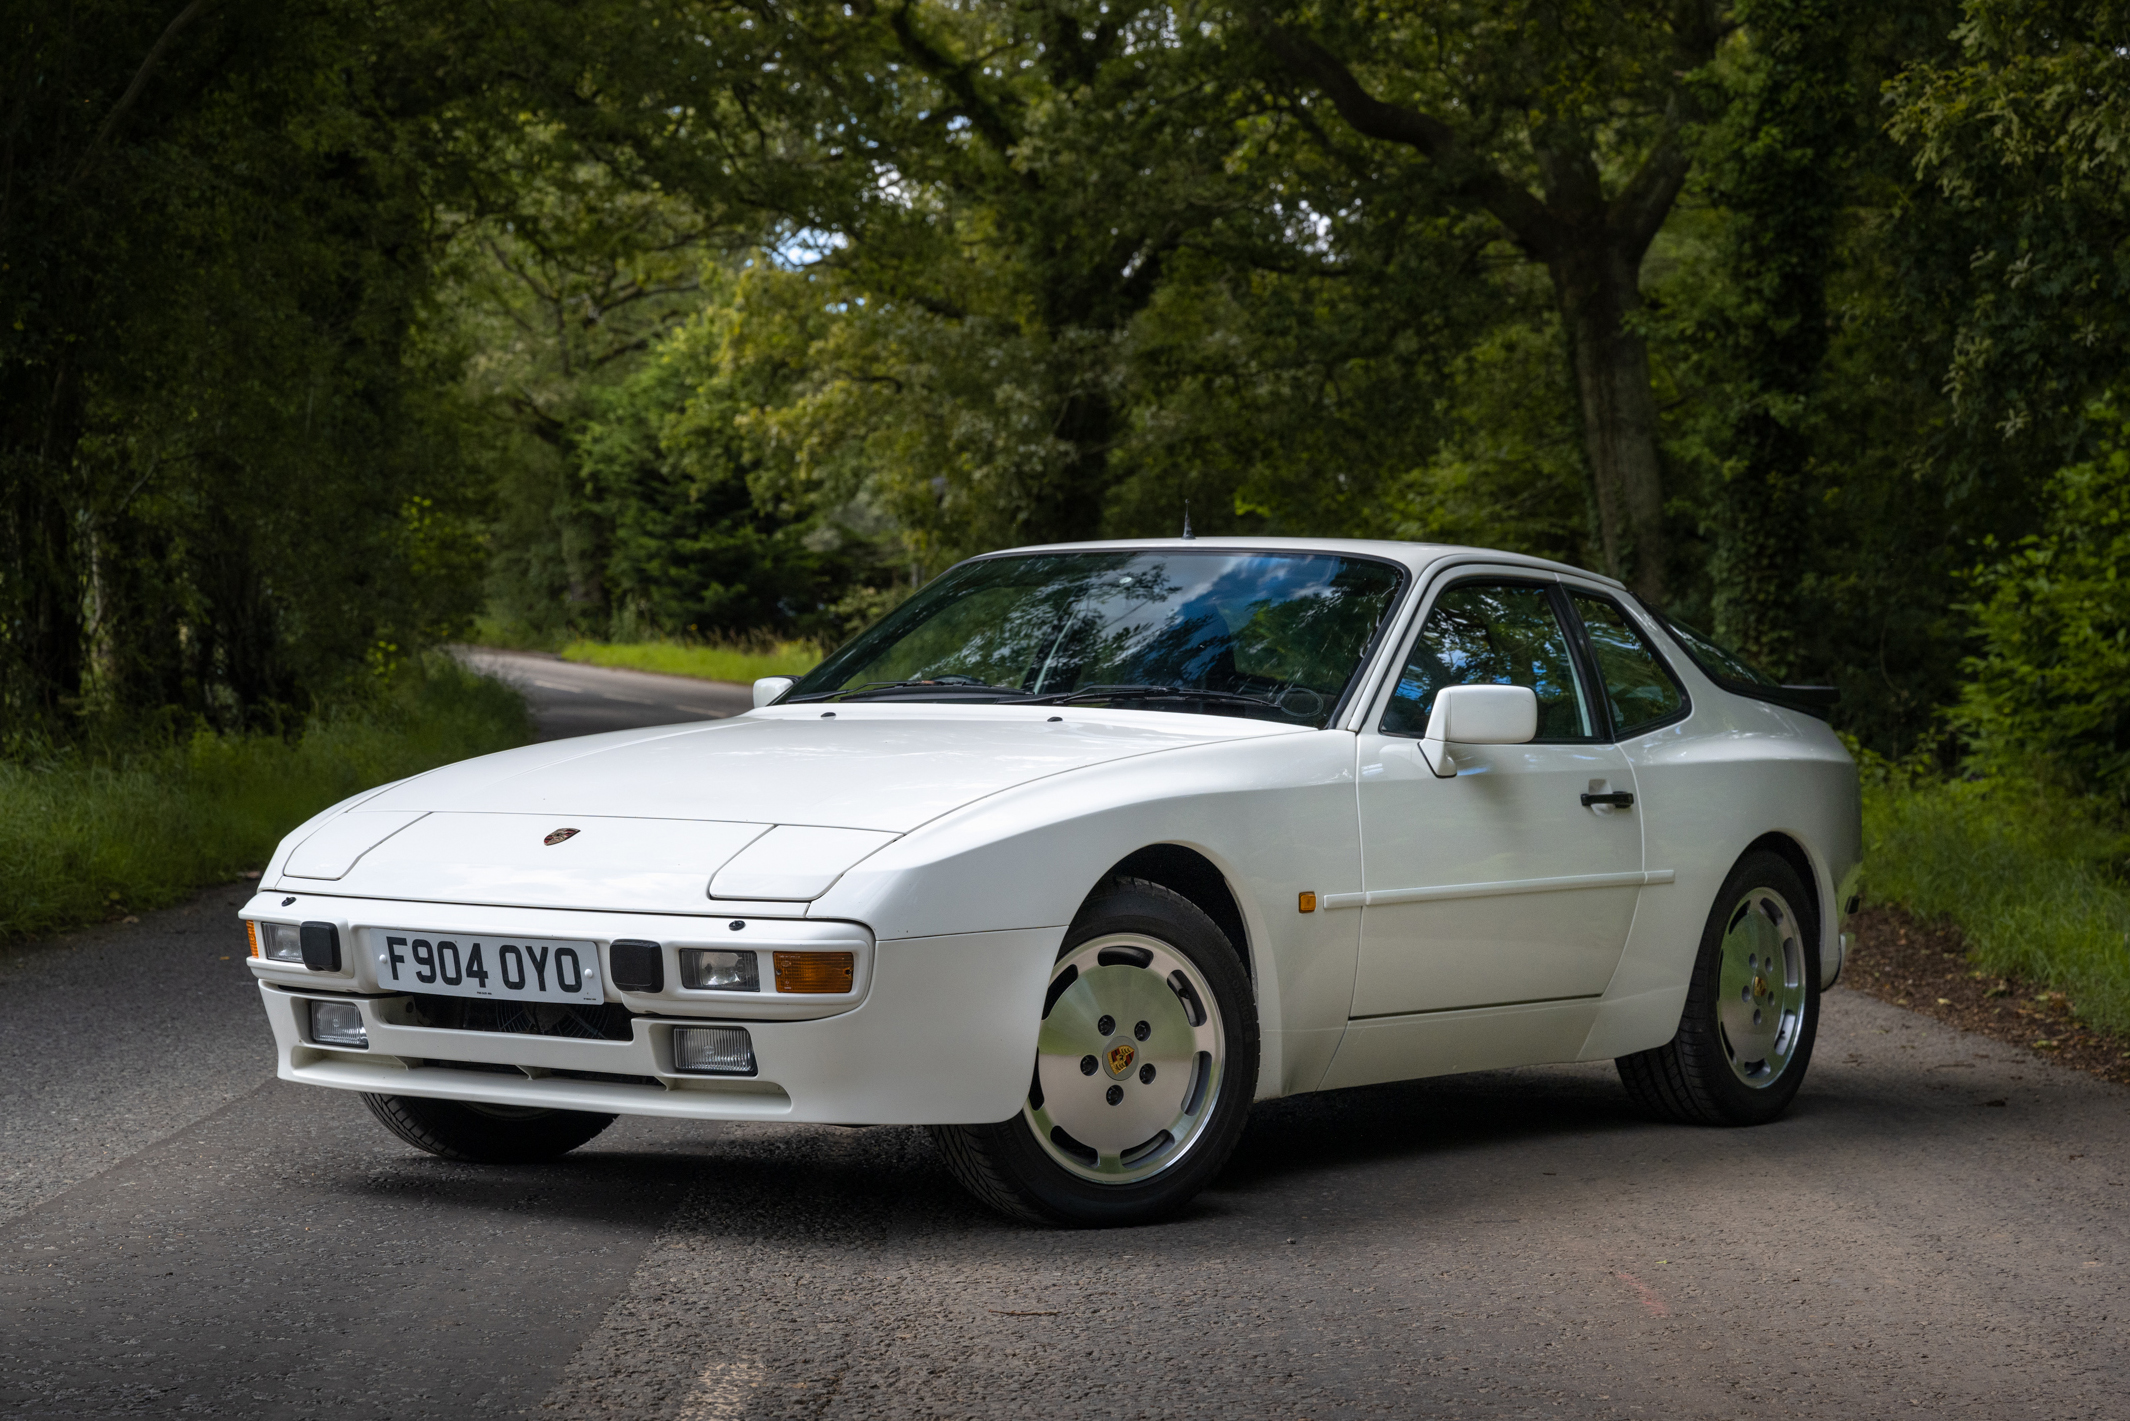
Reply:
x=1812, y=700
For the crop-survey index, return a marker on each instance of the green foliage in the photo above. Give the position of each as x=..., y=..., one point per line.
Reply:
x=2050, y=685
x=86, y=835
x=1777, y=171
x=227, y=484
x=2031, y=878
x=742, y=662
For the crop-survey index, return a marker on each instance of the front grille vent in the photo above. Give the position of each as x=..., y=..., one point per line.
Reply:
x=609, y=1021
x=496, y=1069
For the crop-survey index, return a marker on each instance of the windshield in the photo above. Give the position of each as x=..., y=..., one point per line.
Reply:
x=1272, y=635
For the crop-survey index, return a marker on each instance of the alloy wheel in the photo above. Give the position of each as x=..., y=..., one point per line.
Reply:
x=1128, y=1062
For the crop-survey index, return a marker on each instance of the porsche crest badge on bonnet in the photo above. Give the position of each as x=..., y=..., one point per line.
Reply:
x=558, y=836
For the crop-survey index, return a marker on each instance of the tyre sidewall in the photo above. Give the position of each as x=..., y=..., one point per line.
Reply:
x=1736, y=1102
x=454, y=1130
x=1149, y=911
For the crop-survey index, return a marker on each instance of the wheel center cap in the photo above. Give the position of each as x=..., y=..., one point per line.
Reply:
x=1120, y=1059
x=1760, y=986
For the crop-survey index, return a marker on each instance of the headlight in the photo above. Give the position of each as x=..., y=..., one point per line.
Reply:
x=283, y=942
x=711, y=970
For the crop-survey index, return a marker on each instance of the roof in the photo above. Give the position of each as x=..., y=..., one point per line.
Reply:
x=1417, y=556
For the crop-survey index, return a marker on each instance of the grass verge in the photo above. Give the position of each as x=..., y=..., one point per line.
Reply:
x=88, y=837
x=710, y=663
x=2029, y=878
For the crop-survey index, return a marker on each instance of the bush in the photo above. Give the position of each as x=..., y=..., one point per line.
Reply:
x=2029, y=875
x=2050, y=686
x=86, y=835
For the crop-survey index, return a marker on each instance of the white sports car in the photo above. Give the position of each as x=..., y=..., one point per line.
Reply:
x=1083, y=849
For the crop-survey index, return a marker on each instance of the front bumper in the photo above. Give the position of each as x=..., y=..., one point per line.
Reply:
x=945, y=1036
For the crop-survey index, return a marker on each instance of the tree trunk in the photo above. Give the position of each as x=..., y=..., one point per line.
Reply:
x=42, y=577
x=1786, y=198
x=1068, y=507
x=1598, y=291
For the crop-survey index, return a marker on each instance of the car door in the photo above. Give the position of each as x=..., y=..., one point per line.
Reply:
x=1506, y=883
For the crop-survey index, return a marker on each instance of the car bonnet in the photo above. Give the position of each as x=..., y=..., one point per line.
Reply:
x=771, y=806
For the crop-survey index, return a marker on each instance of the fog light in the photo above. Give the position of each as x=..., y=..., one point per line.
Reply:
x=815, y=971
x=284, y=942
x=708, y=970
x=713, y=1050
x=339, y=1024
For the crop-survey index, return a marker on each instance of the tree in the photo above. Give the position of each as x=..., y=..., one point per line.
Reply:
x=1015, y=179
x=1777, y=174
x=1572, y=128
x=229, y=485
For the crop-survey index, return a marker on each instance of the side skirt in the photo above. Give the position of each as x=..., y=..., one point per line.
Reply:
x=1441, y=1043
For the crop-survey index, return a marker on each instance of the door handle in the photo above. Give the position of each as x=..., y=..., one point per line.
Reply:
x=1619, y=799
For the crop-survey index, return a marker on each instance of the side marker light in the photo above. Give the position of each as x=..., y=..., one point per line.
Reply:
x=1306, y=903
x=251, y=935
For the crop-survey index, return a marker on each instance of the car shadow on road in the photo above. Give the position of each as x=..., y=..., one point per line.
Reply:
x=590, y=1187
x=1456, y=1141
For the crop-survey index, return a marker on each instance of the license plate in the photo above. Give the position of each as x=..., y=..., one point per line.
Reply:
x=506, y=969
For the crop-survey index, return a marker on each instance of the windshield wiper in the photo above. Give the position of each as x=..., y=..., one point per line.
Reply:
x=1149, y=693
x=919, y=684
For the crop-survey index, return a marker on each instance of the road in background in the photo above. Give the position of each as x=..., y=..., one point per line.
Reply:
x=570, y=698
x=1939, y=1228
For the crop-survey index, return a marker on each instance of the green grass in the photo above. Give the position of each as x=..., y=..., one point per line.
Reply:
x=711, y=663
x=2031, y=879
x=84, y=837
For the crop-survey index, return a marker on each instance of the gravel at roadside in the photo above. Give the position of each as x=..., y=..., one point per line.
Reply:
x=1925, y=968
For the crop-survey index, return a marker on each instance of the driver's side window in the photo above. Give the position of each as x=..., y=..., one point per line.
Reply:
x=1492, y=634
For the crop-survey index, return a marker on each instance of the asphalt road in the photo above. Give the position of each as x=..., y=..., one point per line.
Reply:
x=1938, y=1229
x=569, y=698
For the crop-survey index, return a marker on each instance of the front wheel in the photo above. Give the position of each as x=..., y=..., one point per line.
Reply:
x=485, y=1134
x=1146, y=1063
x=1752, y=1009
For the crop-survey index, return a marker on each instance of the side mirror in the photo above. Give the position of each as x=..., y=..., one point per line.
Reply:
x=768, y=688
x=1477, y=715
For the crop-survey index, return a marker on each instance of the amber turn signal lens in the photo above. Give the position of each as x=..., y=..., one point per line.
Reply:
x=1307, y=902
x=251, y=931
x=816, y=971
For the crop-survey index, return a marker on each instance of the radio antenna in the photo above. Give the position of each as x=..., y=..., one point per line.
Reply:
x=1187, y=533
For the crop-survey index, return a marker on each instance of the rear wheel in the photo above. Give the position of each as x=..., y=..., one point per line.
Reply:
x=1752, y=1011
x=1146, y=1063
x=485, y=1134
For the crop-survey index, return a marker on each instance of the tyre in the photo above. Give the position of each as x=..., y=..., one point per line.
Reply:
x=485, y=1134
x=1146, y=1064
x=1752, y=1011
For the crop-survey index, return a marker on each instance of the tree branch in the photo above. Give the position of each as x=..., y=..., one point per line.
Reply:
x=1698, y=27
x=126, y=100
x=1473, y=179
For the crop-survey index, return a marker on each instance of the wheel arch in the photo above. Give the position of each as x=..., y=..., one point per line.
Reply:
x=1790, y=851
x=1186, y=872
